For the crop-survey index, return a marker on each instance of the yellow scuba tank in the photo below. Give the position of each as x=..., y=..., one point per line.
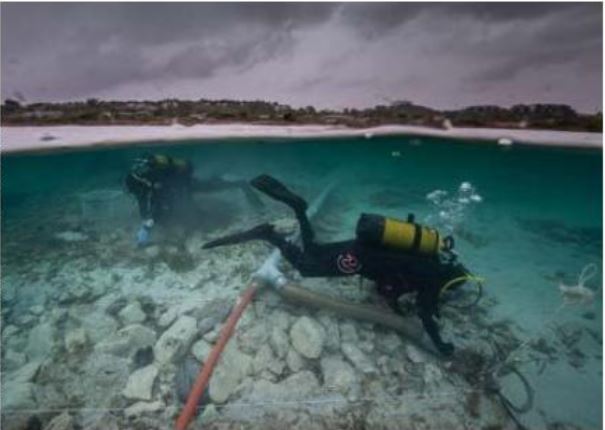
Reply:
x=403, y=235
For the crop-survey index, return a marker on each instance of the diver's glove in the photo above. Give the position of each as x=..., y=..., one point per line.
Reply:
x=144, y=233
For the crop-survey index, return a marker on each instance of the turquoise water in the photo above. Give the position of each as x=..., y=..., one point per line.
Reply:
x=539, y=222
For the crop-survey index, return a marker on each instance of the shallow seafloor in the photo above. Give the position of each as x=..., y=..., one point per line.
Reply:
x=98, y=334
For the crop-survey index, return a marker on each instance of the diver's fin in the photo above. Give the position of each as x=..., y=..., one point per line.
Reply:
x=275, y=189
x=260, y=232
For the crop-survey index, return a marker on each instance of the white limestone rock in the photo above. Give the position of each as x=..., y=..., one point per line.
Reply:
x=132, y=313
x=233, y=367
x=167, y=318
x=175, y=341
x=299, y=386
x=339, y=376
x=141, y=408
x=251, y=339
x=13, y=360
x=294, y=361
x=279, y=342
x=212, y=335
x=40, y=341
x=201, y=349
x=348, y=333
x=99, y=326
x=307, y=337
x=76, y=340
x=359, y=359
x=71, y=236
x=389, y=343
x=127, y=341
x=25, y=373
x=414, y=355
x=265, y=359
x=61, y=422
x=332, y=332
x=140, y=383
x=37, y=310
x=18, y=395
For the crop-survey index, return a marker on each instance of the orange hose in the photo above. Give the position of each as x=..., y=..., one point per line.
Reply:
x=203, y=378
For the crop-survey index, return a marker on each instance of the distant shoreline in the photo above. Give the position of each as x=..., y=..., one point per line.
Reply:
x=20, y=139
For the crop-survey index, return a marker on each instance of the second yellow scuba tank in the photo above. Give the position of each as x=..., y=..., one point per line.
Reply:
x=403, y=235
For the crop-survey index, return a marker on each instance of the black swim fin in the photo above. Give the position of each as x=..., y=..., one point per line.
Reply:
x=260, y=232
x=275, y=189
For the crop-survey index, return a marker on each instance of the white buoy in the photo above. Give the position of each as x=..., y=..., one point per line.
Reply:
x=505, y=141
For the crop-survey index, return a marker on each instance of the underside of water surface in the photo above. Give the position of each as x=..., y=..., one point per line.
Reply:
x=98, y=333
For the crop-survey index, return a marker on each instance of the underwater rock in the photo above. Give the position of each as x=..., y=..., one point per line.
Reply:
x=212, y=335
x=61, y=422
x=25, y=373
x=332, y=333
x=184, y=379
x=414, y=354
x=299, y=386
x=116, y=306
x=211, y=313
x=307, y=337
x=76, y=340
x=358, y=358
x=104, y=422
x=71, y=236
x=98, y=325
x=265, y=359
x=9, y=331
x=152, y=251
x=17, y=395
x=132, y=313
x=348, y=333
x=127, y=341
x=210, y=413
x=141, y=408
x=252, y=339
x=13, y=360
x=37, y=310
x=143, y=357
x=176, y=340
x=294, y=361
x=280, y=319
x=140, y=383
x=232, y=369
x=40, y=341
x=389, y=342
x=338, y=375
x=432, y=375
x=167, y=318
x=201, y=349
x=279, y=342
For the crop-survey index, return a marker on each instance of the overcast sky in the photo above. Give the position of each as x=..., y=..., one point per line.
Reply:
x=328, y=54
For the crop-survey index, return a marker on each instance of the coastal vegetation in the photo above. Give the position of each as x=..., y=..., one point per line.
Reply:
x=203, y=111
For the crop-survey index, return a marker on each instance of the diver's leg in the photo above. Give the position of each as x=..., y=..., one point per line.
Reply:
x=275, y=189
x=427, y=302
x=264, y=232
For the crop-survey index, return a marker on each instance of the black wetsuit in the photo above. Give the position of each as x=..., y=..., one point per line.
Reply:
x=395, y=272
x=164, y=189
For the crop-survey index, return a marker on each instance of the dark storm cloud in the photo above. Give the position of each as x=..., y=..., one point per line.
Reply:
x=329, y=54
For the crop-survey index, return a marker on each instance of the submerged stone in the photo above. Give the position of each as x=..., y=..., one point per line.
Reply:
x=307, y=337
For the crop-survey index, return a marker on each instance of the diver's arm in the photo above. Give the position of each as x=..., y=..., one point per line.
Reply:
x=427, y=307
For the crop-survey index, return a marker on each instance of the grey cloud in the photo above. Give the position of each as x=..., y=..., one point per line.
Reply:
x=320, y=53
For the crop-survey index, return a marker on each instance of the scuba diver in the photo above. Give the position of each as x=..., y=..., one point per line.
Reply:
x=164, y=187
x=400, y=257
